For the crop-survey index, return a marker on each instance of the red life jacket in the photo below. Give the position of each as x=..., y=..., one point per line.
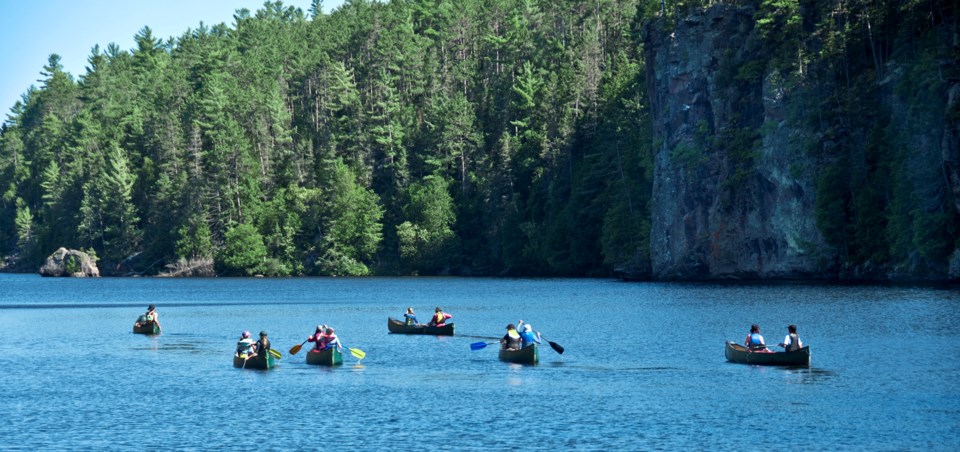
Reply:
x=329, y=340
x=317, y=338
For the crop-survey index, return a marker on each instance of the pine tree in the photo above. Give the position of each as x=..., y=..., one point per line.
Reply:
x=350, y=227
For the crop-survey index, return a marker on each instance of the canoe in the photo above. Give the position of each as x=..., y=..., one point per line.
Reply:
x=400, y=327
x=328, y=357
x=739, y=354
x=526, y=355
x=147, y=328
x=263, y=362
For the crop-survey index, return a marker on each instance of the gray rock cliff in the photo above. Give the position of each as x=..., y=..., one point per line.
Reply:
x=825, y=169
x=728, y=201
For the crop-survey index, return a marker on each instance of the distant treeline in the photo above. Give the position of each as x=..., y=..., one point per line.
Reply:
x=506, y=137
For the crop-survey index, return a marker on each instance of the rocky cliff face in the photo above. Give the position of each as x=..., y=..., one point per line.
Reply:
x=741, y=155
x=732, y=197
x=951, y=159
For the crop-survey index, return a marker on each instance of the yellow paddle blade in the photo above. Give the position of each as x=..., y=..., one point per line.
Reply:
x=295, y=349
x=275, y=354
x=356, y=352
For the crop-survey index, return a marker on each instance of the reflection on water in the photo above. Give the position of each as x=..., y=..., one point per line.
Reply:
x=807, y=375
x=654, y=378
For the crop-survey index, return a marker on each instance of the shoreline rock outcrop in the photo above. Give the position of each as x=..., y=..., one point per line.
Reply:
x=64, y=262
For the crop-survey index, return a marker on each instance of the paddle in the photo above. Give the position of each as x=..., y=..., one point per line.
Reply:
x=555, y=346
x=275, y=353
x=356, y=352
x=296, y=348
x=758, y=349
x=480, y=345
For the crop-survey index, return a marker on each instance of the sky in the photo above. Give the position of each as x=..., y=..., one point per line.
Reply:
x=31, y=30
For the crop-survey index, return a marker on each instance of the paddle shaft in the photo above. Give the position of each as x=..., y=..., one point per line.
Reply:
x=763, y=349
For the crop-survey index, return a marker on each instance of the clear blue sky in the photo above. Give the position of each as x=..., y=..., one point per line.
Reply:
x=31, y=30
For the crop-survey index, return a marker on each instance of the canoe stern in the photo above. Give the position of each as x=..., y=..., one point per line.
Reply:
x=526, y=355
x=328, y=357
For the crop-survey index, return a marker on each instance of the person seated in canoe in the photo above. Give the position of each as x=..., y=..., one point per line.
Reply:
x=330, y=340
x=439, y=318
x=317, y=337
x=754, y=341
x=262, y=345
x=149, y=317
x=245, y=344
x=528, y=336
x=511, y=340
x=791, y=342
x=410, y=317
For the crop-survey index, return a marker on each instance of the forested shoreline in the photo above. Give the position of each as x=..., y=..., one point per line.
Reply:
x=476, y=137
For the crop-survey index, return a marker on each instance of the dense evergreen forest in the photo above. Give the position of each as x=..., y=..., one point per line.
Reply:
x=476, y=137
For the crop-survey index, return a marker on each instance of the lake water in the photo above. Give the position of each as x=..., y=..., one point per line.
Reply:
x=644, y=366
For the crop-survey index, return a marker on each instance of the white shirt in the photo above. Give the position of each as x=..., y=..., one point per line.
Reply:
x=244, y=345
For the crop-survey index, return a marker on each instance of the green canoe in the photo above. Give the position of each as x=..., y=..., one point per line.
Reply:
x=399, y=327
x=263, y=362
x=526, y=355
x=328, y=357
x=739, y=354
x=146, y=328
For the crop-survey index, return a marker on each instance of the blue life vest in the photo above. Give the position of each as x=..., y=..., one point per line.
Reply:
x=756, y=339
x=528, y=338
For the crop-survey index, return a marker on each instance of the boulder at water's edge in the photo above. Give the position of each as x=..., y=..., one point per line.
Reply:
x=64, y=262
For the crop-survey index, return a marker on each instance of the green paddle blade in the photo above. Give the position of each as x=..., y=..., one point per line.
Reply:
x=275, y=354
x=357, y=353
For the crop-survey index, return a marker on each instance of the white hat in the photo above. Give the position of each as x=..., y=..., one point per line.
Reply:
x=527, y=328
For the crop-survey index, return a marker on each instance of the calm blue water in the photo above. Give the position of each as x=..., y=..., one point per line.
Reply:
x=643, y=368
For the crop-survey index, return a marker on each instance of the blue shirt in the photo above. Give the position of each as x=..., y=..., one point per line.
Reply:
x=528, y=338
